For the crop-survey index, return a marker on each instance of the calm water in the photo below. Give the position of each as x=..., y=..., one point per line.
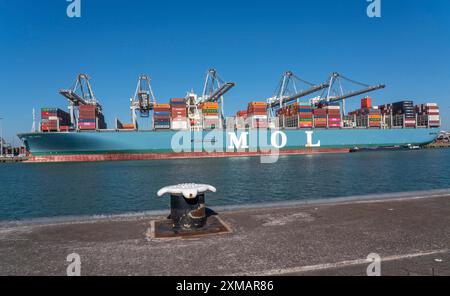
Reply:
x=49, y=190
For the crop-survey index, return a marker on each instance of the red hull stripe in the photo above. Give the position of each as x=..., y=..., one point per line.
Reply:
x=147, y=156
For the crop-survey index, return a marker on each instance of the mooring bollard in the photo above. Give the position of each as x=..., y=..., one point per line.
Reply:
x=187, y=205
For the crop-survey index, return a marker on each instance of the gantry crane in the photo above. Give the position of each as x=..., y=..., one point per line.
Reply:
x=288, y=90
x=143, y=100
x=214, y=90
x=339, y=94
x=80, y=94
x=333, y=91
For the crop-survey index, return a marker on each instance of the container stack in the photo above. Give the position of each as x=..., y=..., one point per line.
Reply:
x=161, y=117
x=385, y=109
x=128, y=126
x=291, y=115
x=178, y=114
x=406, y=110
x=334, y=115
x=366, y=103
x=386, y=115
x=368, y=117
x=125, y=126
x=374, y=117
x=432, y=111
x=210, y=113
x=281, y=114
x=320, y=118
x=87, y=117
x=428, y=115
x=242, y=114
x=54, y=119
x=241, y=117
x=257, y=114
x=305, y=115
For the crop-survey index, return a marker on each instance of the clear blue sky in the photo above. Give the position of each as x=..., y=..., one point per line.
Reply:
x=249, y=42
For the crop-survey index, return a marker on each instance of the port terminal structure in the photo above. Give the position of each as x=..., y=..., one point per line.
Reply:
x=290, y=89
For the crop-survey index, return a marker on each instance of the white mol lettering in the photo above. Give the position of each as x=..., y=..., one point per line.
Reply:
x=240, y=143
x=274, y=142
x=309, y=140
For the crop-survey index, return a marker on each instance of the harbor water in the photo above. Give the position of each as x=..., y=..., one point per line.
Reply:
x=30, y=191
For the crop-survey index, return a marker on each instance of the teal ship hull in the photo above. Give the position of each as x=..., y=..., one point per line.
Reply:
x=123, y=145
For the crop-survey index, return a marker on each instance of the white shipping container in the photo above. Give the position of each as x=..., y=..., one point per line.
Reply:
x=433, y=117
x=179, y=125
x=433, y=111
x=431, y=104
x=258, y=117
x=53, y=117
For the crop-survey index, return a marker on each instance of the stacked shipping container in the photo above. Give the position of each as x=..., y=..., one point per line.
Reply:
x=334, y=115
x=89, y=118
x=428, y=115
x=320, y=118
x=366, y=103
x=404, y=111
x=128, y=126
x=242, y=114
x=54, y=119
x=374, y=117
x=178, y=114
x=161, y=117
x=367, y=117
x=257, y=114
x=210, y=113
x=305, y=115
x=291, y=115
x=241, y=117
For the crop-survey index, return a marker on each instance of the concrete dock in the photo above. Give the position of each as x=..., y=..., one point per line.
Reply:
x=411, y=234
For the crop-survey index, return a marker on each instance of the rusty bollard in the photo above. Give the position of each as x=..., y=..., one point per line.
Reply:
x=187, y=205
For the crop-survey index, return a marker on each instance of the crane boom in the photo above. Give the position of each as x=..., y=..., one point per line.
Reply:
x=357, y=93
x=298, y=95
x=87, y=96
x=73, y=97
x=220, y=92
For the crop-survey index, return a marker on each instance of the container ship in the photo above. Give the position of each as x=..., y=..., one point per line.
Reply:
x=292, y=121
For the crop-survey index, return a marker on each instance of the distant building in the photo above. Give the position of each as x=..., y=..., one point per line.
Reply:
x=444, y=136
x=6, y=147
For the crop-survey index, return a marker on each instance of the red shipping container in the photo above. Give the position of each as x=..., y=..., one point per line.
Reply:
x=320, y=112
x=334, y=120
x=366, y=103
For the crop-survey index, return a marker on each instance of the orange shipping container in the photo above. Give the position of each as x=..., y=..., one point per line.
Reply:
x=366, y=103
x=210, y=105
x=162, y=106
x=257, y=104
